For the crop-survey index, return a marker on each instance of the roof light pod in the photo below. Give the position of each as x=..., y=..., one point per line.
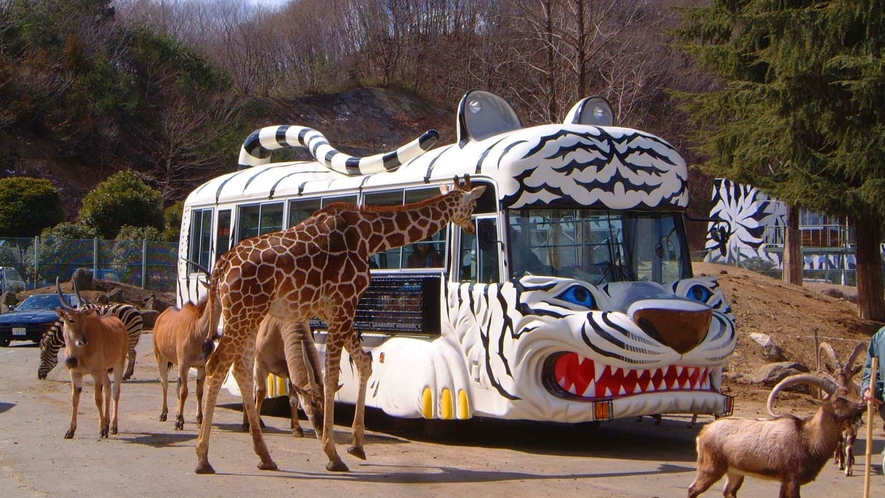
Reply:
x=594, y=111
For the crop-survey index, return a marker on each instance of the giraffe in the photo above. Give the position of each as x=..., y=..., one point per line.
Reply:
x=317, y=268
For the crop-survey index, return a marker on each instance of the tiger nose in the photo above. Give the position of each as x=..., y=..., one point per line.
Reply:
x=681, y=330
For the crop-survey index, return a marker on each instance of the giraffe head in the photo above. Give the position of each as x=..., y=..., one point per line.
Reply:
x=464, y=201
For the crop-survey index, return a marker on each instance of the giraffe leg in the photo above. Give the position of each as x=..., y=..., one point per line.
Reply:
x=330, y=386
x=243, y=375
x=216, y=368
x=364, y=367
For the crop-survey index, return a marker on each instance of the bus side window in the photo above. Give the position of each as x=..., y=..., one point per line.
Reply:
x=200, y=239
x=222, y=233
x=479, y=253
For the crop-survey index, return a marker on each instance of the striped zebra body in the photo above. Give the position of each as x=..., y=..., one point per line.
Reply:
x=53, y=340
x=258, y=146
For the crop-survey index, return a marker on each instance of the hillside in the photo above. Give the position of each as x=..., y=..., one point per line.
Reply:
x=790, y=314
x=362, y=121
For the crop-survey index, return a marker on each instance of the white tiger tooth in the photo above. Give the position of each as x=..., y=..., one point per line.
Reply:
x=590, y=392
x=598, y=371
x=608, y=392
x=637, y=389
x=615, y=370
x=679, y=369
x=572, y=389
x=663, y=385
x=650, y=388
x=675, y=384
x=622, y=391
x=562, y=382
x=687, y=384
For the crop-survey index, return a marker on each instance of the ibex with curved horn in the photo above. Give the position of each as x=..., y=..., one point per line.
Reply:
x=786, y=449
x=843, y=374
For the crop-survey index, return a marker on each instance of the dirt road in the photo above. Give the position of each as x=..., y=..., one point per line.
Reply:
x=477, y=459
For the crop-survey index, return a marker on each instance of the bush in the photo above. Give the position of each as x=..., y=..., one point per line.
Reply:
x=173, y=222
x=130, y=233
x=122, y=199
x=27, y=206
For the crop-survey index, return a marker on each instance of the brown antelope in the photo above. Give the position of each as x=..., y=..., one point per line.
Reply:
x=787, y=449
x=286, y=349
x=178, y=339
x=94, y=344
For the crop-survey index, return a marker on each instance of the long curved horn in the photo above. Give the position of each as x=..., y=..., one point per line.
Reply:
x=858, y=348
x=308, y=365
x=61, y=297
x=199, y=266
x=825, y=347
x=827, y=384
x=80, y=298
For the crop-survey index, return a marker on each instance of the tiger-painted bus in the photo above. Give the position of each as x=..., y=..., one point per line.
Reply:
x=573, y=301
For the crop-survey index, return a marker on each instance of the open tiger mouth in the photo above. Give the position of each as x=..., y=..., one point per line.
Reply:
x=577, y=377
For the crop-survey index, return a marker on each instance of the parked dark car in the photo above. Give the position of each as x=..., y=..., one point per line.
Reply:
x=31, y=318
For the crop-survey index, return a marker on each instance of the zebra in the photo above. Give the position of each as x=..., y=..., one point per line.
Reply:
x=53, y=339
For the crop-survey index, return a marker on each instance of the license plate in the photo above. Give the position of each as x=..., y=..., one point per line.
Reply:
x=19, y=331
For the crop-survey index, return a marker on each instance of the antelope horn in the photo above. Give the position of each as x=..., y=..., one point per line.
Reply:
x=198, y=265
x=61, y=297
x=308, y=364
x=858, y=348
x=77, y=292
x=825, y=347
x=827, y=384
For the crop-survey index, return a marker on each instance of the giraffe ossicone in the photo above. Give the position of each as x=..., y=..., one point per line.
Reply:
x=319, y=267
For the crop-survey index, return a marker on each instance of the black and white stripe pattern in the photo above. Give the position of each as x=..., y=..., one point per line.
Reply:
x=258, y=146
x=518, y=329
x=53, y=340
x=750, y=212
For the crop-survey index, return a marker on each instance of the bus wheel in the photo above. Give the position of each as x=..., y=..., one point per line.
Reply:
x=4, y=342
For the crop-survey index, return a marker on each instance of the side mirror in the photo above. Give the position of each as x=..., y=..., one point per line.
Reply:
x=720, y=232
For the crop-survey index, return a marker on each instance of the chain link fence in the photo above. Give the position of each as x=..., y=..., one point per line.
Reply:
x=147, y=264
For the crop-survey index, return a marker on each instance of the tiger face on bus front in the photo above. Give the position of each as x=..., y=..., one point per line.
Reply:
x=554, y=347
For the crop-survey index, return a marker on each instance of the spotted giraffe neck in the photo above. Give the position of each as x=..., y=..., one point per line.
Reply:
x=382, y=228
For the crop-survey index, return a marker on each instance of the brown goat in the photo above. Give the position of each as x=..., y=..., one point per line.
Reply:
x=178, y=339
x=287, y=349
x=787, y=449
x=94, y=344
x=843, y=374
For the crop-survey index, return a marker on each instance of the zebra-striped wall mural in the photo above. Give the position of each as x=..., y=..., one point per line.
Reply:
x=753, y=215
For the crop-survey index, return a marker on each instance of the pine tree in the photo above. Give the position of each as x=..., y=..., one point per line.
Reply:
x=798, y=111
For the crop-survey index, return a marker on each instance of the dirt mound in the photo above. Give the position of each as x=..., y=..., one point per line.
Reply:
x=129, y=294
x=790, y=315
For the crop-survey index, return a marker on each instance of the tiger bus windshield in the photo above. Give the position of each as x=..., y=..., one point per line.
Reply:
x=598, y=246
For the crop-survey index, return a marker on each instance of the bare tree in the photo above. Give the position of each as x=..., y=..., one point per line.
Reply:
x=185, y=148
